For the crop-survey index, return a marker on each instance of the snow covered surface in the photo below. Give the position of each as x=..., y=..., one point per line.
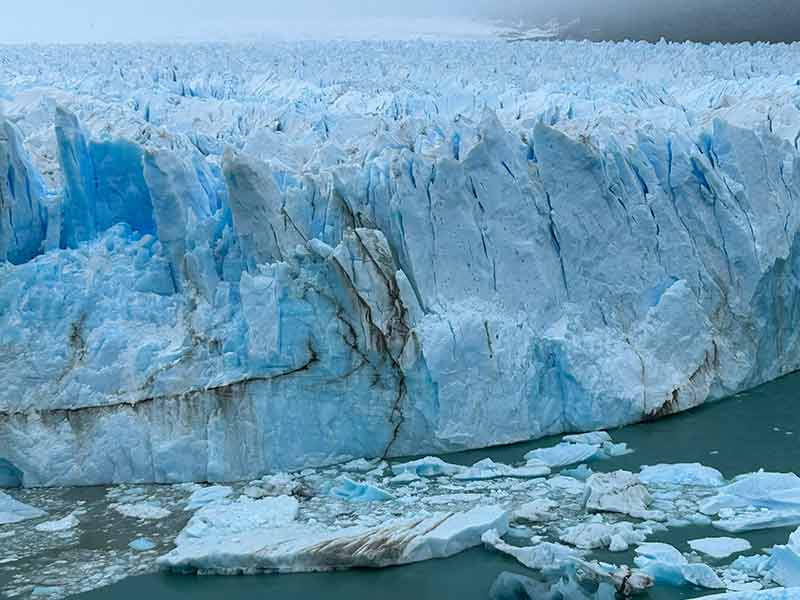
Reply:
x=321, y=251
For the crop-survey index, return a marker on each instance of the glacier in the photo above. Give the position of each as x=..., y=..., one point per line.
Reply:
x=219, y=261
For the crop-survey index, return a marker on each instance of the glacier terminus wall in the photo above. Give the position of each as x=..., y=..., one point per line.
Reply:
x=218, y=261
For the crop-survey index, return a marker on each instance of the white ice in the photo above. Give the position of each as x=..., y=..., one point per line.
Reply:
x=14, y=511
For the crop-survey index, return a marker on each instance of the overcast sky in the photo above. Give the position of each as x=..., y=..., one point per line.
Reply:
x=112, y=20
x=164, y=20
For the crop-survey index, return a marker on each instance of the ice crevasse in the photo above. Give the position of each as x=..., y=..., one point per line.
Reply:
x=222, y=261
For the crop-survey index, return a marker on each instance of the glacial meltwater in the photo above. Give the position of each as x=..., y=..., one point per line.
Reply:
x=742, y=434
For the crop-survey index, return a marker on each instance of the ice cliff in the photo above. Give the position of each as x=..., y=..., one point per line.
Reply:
x=219, y=261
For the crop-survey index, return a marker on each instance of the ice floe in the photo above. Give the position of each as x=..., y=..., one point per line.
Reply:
x=619, y=492
x=347, y=489
x=681, y=474
x=14, y=511
x=65, y=524
x=281, y=544
x=719, y=547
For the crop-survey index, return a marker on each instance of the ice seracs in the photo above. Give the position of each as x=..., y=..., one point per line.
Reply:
x=198, y=258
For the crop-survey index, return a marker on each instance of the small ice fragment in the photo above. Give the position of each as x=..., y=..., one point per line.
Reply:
x=564, y=454
x=142, y=510
x=592, y=437
x=681, y=474
x=142, y=544
x=64, y=524
x=359, y=492
x=13, y=511
x=430, y=466
x=620, y=492
x=719, y=547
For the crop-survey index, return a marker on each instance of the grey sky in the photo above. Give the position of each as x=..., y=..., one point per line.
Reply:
x=114, y=20
x=164, y=20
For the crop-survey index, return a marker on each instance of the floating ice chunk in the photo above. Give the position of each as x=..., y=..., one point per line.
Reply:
x=207, y=495
x=47, y=590
x=719, y=547
x=660, y=552
x=667, y=565
x=784, y=562
x=774, y=491
x=618, y=543
x=751, y=521
x=282, y=484
x=142, y=510
x=254, y=491
x=14, y=511
x=229, y=519
x=592, y=437
x=224, y=545
x=442, y=499
x=620, y=492
x=581, y=472
x=512, y=586
x=564, y=454
x=544, y=556
x=404, y=478
x=626, y=581
x=430, y=466
x=359, y=492
x=681, y=474
x=362, y=465
x=488, y=469
x=64, y=524
x=142, y=544
x=589, y=536
x=771, y=594
x=753, y=565
x=536, y=511
x=610, y=450
x=702, y=575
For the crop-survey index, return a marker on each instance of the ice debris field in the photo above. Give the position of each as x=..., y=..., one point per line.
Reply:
x=374, y=513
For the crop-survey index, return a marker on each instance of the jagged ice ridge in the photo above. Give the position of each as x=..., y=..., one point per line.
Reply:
x=223, y=260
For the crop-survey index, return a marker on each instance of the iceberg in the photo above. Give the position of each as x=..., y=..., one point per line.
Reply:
x=488, y=469
x=719, y=547
x=563, y=455
x=681, y=474
x=212, y=273
x=207, y=495
x=14, y=511
x=618, y=492
x=64, y=524
x=430, y=466
x=668, y=566
x=247, y=538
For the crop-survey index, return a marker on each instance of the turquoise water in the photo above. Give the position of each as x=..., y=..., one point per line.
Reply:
x=757, y=429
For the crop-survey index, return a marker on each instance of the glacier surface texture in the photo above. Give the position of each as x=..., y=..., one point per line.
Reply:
x=218, y=261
